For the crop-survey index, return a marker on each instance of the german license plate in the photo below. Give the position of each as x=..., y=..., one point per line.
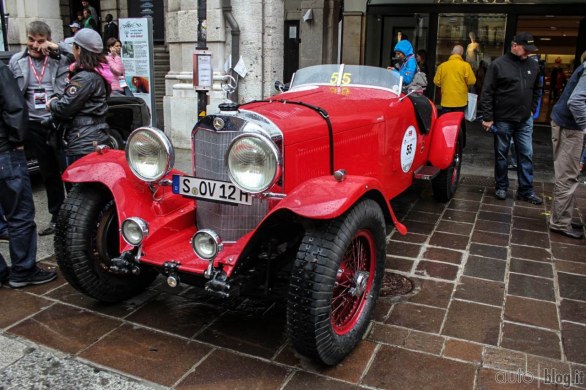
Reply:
x=206, y=189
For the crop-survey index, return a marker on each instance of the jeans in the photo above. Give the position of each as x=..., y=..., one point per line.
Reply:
x=522, y=135
x=51, y=165
x=16, y=198
x=3, y=224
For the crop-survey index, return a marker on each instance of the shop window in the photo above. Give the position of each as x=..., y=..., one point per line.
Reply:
x=482, y=37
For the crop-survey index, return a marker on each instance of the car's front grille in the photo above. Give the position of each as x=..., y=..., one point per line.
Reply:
x=230, y=221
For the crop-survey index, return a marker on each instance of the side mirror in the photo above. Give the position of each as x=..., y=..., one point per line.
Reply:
x=279, y=86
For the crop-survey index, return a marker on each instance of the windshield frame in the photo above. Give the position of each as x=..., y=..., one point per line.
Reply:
x=342, y=75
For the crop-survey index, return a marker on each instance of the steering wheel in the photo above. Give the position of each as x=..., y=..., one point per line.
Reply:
x=229, y=84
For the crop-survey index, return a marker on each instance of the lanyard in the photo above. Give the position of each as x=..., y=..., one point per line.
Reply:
x=39, y=78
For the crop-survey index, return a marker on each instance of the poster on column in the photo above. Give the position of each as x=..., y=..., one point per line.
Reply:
x=136, y=37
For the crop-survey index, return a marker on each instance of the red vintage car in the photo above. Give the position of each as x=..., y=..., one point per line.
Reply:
x=294, y=187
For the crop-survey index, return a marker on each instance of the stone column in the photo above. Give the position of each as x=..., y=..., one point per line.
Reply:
x=319, y=35
x=261, y=47
x=180, y=100
x=353, y=38
x=23, y=12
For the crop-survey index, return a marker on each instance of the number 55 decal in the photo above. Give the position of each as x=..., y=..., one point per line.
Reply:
x=346, y=78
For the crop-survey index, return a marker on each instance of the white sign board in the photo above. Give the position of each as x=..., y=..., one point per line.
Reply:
x=136, y=36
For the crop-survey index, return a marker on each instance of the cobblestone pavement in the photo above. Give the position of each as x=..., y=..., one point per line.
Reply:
x=498, y=299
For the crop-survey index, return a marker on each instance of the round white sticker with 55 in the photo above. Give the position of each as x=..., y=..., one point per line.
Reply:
x=408, y=147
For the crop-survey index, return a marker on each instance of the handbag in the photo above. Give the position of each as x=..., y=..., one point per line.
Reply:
x=470, y=114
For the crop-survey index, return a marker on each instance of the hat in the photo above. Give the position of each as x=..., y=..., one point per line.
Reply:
x=526, y=40
x=74, y=25
x=89, y=39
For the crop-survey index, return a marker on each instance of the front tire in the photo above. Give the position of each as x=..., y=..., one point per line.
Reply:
x=445, y=184
x=86, y=239
x=335, y=282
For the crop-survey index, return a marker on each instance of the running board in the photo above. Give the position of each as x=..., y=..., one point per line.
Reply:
x=426, y=172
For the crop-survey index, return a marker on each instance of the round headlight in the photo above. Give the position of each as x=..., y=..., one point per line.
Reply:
x=134, y=230
x=206, y=244
x=149, y=153
x=253, y=163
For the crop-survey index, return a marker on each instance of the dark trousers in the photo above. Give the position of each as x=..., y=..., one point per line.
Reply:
x=16, y=198
x=3, y=225
x=51, y=164
x=522, y=135
x=444, y=110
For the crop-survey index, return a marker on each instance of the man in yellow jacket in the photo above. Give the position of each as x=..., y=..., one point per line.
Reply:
x=454, y=77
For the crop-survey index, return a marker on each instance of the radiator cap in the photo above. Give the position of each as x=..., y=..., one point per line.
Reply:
x=228, y=106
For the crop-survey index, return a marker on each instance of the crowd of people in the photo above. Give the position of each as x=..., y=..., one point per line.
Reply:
x=509, y=91
x=53, y=101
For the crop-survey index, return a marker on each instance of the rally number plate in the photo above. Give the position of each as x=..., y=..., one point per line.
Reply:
x=219, y=191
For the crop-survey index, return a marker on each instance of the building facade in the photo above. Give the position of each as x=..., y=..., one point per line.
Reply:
x=273, y=38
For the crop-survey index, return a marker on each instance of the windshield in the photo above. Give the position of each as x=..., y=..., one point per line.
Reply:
x=347, y=75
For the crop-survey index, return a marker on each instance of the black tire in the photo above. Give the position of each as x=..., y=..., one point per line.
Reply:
x=445, y=184
x=326, y=318
x=115, y=139
x=86, y=238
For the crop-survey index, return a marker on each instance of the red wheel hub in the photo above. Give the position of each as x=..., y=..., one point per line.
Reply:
x=353, y=282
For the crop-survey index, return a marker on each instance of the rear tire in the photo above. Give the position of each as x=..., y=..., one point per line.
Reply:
x=335, y=282
x=445, y=184
x=86, y=239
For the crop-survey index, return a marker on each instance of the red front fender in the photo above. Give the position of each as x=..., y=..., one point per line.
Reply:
x=444, y=139
x=164, y=210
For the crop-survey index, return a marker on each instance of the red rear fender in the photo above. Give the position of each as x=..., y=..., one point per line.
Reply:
x=446, y=130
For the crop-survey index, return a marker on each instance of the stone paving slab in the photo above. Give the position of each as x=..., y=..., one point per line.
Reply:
x=499, y=302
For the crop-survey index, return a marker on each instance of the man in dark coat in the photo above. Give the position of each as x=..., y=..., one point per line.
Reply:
x=509, y=98
x=110, y=29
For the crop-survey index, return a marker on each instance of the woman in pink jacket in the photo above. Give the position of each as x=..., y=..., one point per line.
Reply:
x=119, y=85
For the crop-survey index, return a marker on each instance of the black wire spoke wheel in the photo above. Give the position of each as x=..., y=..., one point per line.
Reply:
x=335, y=282
x=86, y=239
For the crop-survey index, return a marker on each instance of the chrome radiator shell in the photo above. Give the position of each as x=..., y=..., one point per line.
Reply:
x=231, y=222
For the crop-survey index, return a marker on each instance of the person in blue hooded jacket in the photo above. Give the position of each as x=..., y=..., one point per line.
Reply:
x=406, y=62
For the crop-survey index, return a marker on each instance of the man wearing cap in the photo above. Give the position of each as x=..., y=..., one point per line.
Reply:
x=41, y=71
x=510, y=94
x=74, y=28
x=84, y=99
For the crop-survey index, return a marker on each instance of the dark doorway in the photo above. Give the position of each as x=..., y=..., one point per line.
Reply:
x=158, y=17
x=75, y=7
x=291, y=49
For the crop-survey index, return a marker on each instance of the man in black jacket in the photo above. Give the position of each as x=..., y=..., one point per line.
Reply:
x=510, y=94
x=16, y=195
